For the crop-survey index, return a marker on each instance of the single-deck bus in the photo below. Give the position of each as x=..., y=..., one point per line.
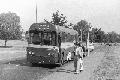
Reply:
x=50, y=44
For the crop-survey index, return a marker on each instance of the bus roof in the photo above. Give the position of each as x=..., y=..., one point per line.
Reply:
x=51, y=27
x=66, y=30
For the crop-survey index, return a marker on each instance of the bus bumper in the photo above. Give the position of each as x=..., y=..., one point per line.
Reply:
x=41, y=59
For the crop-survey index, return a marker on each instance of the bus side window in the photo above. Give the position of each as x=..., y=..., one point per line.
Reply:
x=40, y=38
x=53, y=39
x=59, y=40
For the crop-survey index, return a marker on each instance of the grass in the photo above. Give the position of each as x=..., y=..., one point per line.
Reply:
x=13, y=44
x=109, y=69
x=15, y=49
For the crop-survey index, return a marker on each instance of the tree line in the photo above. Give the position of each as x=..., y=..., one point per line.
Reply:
x=10, y=28
x=83, y=27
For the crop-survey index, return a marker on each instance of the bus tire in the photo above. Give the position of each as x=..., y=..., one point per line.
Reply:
x=32, y=64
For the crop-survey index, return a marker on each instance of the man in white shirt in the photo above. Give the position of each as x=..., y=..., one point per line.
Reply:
x=78, y=59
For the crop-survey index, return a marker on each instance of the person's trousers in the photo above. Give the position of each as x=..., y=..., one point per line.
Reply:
x=78, y=64
x=81, y=64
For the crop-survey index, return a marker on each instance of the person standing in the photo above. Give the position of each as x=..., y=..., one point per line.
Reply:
x=78, y=58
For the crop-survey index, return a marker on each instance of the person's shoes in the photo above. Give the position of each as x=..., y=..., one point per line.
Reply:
x=76, y=72
x=81, y=70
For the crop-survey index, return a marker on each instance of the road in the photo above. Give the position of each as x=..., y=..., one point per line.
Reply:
x=20, y=69
x=90, y=63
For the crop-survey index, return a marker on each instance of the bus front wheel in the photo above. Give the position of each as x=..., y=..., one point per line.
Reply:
x=32, y=64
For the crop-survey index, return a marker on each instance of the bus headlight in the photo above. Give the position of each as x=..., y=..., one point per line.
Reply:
x=50, y=54
x=31, y=52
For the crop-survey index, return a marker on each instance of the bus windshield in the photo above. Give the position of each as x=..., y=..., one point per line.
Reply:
x=43, y=38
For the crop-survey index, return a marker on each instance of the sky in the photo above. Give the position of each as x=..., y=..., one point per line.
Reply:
x=104, y=14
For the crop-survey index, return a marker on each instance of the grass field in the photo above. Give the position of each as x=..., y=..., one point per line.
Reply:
x=109, y=69
x=15, y=49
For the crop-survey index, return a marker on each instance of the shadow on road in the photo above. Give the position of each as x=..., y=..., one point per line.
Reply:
x=23, y=62
x=20, y=62
x=6, y=46
x=63, y=70
x=50, y=66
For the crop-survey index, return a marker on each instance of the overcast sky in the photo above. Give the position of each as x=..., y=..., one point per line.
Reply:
x=104, y=14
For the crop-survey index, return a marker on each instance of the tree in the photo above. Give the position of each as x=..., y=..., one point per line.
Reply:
x=112, y=36
x=97, y=35
x=10, y=27
x=58, y=19
x=83, y=26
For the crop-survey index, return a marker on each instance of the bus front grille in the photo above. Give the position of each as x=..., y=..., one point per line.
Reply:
x=42, y=59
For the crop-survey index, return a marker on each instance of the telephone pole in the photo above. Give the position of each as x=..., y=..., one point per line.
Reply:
x=36, y=12
x=81, y=34
x=89, y=26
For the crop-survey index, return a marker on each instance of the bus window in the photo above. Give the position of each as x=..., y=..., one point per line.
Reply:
x=35, y=38
x=46, y=40
x=53, y=39
x=59, y=40
x=49, y=38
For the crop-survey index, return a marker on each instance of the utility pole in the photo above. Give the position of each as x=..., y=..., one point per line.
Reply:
x=81, y=34
x=88, y=41
x=36, y=12
x=88, y=44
